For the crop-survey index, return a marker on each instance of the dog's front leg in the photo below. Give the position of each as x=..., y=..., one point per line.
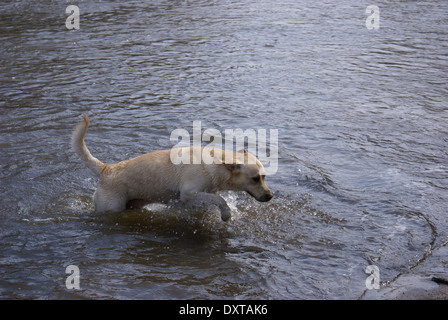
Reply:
x=209, y=198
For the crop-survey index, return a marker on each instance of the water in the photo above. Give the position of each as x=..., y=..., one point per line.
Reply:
x=362, y=117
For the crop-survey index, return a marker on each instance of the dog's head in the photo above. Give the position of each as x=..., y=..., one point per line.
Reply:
x=248, y=175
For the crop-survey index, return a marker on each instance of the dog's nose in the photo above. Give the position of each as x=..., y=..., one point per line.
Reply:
x=268, y=196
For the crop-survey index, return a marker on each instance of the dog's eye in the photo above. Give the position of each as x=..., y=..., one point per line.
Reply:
x=256, y=179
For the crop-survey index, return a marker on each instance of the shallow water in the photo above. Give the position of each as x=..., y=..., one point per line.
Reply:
x=362, y=119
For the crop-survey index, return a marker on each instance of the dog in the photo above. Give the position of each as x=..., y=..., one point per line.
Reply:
x=154, y=178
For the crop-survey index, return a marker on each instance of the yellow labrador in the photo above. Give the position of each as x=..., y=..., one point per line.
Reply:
x=153, y=177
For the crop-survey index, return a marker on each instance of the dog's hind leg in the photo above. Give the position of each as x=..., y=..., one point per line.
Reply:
x=108, y=202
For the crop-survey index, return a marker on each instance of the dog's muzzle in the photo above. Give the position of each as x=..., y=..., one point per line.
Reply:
x=264, y=198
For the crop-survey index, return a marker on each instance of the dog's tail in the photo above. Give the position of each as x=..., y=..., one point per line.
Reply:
x=81, y=149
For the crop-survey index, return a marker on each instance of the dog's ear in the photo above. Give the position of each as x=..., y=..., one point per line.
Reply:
x=243, y=151
x=232, y=167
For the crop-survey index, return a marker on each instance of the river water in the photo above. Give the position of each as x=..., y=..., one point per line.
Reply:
x=361, y=116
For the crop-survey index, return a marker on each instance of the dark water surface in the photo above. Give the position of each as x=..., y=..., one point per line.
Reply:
x=362, y=133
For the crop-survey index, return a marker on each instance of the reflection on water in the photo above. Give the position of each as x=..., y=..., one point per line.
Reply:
x=362, y=173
